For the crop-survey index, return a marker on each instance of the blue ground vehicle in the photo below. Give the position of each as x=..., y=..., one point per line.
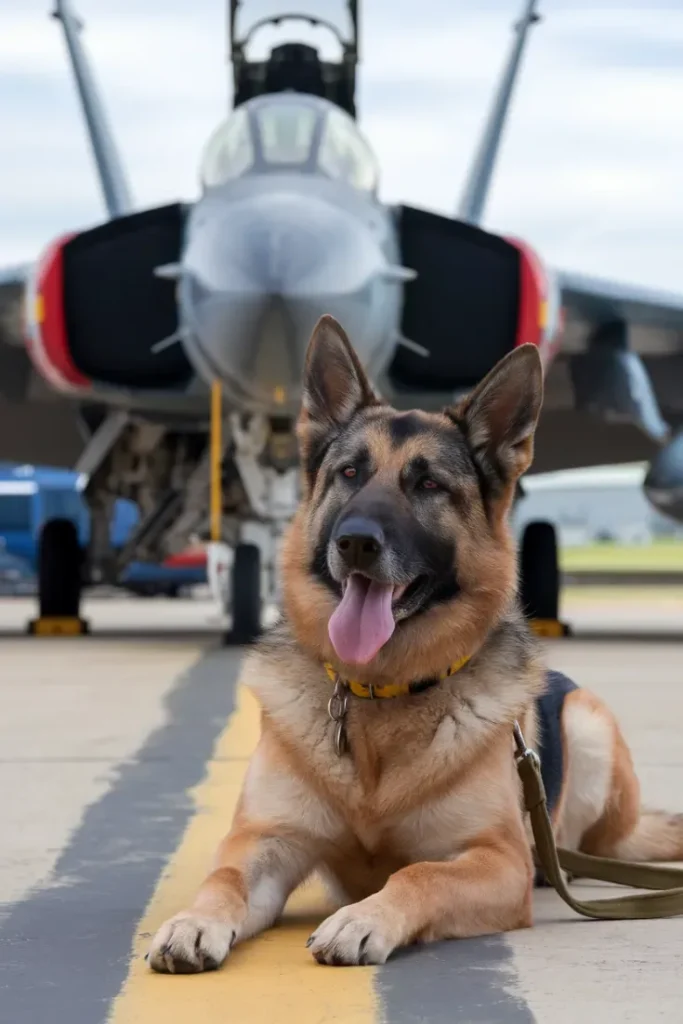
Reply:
x=30, y=496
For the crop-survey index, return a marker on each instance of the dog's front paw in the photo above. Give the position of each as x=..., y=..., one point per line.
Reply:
x=190, y=943
x=362, y=933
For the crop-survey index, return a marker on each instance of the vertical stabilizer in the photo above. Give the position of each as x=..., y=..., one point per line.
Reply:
x=115, y=189
x=478, y=182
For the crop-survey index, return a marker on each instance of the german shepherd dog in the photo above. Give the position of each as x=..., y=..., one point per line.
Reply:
x=399, y=584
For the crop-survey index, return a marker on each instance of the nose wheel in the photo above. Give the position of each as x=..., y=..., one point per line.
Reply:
x=245, y=595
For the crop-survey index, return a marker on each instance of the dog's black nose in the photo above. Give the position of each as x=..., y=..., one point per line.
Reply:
x=359, y=541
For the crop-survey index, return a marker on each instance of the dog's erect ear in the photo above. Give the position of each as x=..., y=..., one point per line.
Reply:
x=499, y=417
x=334, y=386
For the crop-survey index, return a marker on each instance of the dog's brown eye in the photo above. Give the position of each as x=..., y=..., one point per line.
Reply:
x=349, y=472
x=429, y=484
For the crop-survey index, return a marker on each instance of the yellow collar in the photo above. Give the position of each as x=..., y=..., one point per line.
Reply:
x=393, y=689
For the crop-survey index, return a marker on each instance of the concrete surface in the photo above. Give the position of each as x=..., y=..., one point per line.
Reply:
x=568, y=969
x=120, y=760
x=624, y=611
x=72, y=714
x=127, y=615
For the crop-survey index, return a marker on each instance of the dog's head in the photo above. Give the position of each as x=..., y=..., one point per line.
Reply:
x=400, y=558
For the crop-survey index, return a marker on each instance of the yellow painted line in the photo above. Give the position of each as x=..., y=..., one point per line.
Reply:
x=271, y=979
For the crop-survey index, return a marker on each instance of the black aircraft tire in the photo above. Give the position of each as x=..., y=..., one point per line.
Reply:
x=59, y=570
x=540, y=571
x=246, y=594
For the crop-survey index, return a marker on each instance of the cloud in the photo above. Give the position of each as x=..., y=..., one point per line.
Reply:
x=588, y=170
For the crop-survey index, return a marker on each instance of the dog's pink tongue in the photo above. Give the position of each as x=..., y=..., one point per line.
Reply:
x=362, y=621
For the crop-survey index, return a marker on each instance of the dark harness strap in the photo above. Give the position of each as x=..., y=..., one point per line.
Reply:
x=551, y=746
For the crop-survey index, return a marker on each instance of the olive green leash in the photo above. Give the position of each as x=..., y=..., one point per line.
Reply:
x=666, y=901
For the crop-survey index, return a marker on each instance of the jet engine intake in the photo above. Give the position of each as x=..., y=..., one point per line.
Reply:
x=475, y=297
x=97, y=313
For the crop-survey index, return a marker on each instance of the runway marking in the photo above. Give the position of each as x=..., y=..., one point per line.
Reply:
x=271, y=979
x=64, y=947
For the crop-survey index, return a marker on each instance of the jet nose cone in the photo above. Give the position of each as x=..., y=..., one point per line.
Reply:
x=248, y=339
x=257, y=275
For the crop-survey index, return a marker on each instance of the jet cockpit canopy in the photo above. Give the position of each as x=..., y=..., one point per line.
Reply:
x=289, y=131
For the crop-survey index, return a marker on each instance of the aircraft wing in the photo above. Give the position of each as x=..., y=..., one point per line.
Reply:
x=15, y=365
x=623, y=346
x=12, y=284
x=36, y=424
x=597, y=301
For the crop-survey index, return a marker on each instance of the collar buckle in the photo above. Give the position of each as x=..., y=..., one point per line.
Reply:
x=338, y=704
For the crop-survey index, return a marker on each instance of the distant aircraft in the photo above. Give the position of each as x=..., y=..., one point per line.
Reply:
x=111, y=340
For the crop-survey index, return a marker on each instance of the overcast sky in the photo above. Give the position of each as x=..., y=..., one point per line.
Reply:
x=590, y=170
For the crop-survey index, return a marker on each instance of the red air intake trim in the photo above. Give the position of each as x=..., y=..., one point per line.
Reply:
x=531, y=320
x=47, y=341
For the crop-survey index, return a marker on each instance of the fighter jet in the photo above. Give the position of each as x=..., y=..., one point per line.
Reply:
x=111, y=340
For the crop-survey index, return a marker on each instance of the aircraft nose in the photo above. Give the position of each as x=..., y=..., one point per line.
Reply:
x=257, y=274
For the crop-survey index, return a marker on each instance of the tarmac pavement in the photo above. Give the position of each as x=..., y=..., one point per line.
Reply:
x=121, y=756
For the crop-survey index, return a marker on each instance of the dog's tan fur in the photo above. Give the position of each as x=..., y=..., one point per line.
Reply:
x=420, y=829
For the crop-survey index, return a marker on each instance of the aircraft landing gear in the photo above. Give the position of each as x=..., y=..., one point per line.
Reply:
x=540, y=579
x=60, y=561
x=264, y=463
x=245, y=594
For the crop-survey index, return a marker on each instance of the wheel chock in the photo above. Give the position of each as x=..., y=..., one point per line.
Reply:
x=549, y=628
x=55, y=625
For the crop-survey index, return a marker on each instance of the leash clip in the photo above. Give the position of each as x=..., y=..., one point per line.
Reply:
x=524, y=753
x=337, y=706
